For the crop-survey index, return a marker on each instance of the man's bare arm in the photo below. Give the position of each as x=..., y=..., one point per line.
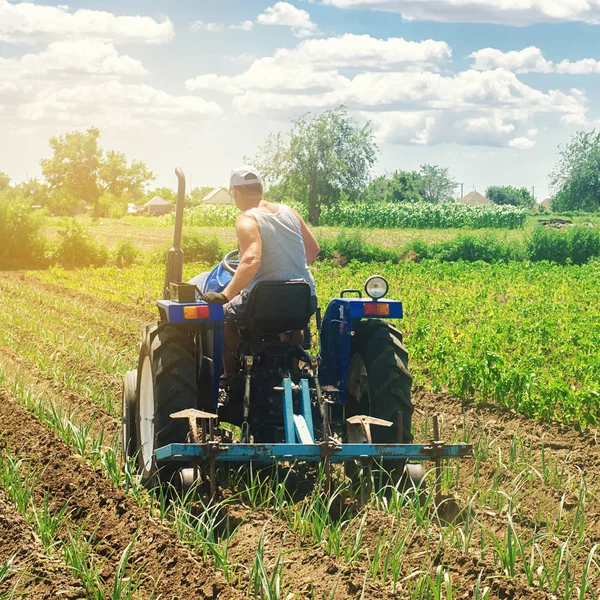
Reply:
x=250, y=245
x=311, y=246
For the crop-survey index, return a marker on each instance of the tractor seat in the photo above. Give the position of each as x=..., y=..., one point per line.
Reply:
x=275, y=307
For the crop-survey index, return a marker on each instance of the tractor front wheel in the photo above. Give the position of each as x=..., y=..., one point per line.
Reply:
x=379, y=382
x=166, y=384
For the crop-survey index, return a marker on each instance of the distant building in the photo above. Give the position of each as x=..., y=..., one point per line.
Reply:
x=475, y=197
x=158, y=206
x=546, y=205
x=218, y=196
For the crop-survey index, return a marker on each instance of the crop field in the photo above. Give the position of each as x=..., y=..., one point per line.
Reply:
x=508, y=356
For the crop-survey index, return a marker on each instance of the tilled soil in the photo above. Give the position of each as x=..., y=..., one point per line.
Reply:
x=33, y=573
x=169, y=569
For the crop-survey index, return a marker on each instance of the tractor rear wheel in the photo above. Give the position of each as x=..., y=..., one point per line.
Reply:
x=379, y=382
x=166, y=384
x=128, y=414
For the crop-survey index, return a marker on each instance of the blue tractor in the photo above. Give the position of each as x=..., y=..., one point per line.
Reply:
x=349, y=404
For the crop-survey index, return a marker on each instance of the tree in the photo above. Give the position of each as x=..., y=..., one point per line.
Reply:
x=507, y=194
x=35, y=191
x=576, y=176
x=435, y=184
x=79, y=171
x=321, y=158
x=196, y=196
x=166, y=193
x=401, y=186
x=4, y=181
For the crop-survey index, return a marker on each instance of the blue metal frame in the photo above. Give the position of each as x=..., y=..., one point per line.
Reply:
x=309, y=452
x=336, y=338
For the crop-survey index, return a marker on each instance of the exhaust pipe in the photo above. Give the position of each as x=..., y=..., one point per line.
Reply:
x=174, y=264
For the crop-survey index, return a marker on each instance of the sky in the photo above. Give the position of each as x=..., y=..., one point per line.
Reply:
x=488, y=88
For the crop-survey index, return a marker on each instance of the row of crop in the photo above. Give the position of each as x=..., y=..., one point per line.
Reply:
x=420, y=215
x=524, y=335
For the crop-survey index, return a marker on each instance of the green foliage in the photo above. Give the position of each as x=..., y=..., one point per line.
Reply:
x=576, y=176
x=79, y=172
x=196, y=247
x=435, y=184
x=507, y=194
x=576, y=245
x=468, y=247
x=22, y=243
x=195, y=197
x=423, y=215
x=350, y=245
x=166, y=193
x=125, y=253
x=77, y=248
x=321, y=158
x=403, y=186
x=4, y=181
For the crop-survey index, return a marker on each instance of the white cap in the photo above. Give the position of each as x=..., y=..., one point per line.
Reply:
x=244, y=175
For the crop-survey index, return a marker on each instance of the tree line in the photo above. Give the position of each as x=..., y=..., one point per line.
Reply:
x=321, y=160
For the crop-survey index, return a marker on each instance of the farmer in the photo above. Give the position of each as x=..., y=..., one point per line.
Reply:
x=275, y=245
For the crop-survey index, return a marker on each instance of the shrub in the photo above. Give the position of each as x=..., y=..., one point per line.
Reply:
x=76, y=248
x=22, y=243
x=351, y=246
x=196, y=247
x=125, y=253
x=584, y=244
x=548, y=244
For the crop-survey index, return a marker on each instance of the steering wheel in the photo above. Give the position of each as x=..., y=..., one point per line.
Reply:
x=230, y=261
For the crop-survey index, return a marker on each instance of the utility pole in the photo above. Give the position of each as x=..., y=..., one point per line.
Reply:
x=533, y=192
x=461, y=190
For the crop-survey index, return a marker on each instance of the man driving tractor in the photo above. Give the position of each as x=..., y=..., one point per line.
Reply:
x=274, y=245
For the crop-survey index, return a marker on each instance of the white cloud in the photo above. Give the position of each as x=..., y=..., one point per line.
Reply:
x=29, y=22
x=113, y=104
x=284, y=13
x=522, y=143
x=530, y=60
x=506, y=12
x=312, y=64
x=364, y=51
x=71, y=59
x=217, y=27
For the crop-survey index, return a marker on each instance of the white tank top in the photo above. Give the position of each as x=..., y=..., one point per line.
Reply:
x=283, y=252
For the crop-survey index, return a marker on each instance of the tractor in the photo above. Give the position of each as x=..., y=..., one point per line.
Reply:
x=183, y=417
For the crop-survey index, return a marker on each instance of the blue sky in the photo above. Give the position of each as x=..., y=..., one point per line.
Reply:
x=488, y=88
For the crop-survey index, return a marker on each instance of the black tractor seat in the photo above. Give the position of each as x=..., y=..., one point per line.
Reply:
x=276, y=307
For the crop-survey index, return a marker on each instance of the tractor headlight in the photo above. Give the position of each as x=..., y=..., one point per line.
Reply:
x=376, y=287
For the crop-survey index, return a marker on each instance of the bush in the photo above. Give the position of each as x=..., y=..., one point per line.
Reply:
x=125, y=253
x=584, y=244
x=196, y=247
x=548, y=244
x=22, y=244
x=347, y=246
x=76, y=248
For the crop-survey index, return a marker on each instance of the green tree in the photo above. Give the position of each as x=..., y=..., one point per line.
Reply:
x=401, y=186
x=166, y=193
x=4, y=181
x=35, y=191
x=435, y=184
x=322, y=158
x=79, y=171
x=196, y=196
x=507, y=194
x=576, y=175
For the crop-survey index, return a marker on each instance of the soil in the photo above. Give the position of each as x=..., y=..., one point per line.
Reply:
x=109, y=516
x=33, y=573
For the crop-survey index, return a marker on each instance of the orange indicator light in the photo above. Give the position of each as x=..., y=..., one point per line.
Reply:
x=377, y=309
x=196, y=312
